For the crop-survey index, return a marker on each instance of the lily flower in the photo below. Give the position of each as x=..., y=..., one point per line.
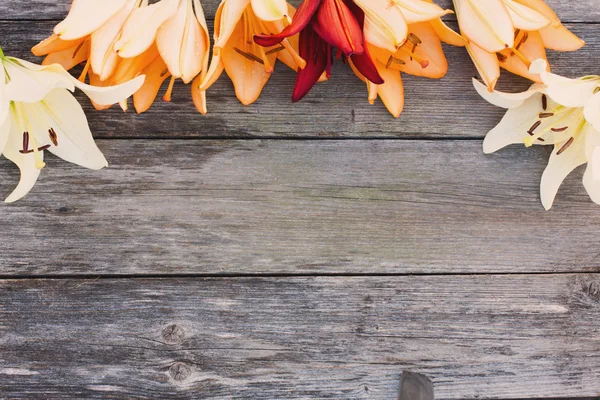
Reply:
x=38, y=113
x=324, y=25
x=511, y=34
x=168, y=39
x=560, y=112
x=247, y=64
x=420, y=55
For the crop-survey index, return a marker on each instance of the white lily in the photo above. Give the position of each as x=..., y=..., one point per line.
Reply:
x=561, y=112
x=38, y=113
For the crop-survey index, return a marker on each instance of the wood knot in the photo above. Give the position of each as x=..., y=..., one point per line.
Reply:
x=180, y=371
x=594, y=290
x=173, y=334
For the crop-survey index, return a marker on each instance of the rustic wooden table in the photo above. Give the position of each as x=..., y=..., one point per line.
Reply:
x=300, y=252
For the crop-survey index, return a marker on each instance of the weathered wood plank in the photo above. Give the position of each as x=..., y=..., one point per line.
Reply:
x=433, y=108
x=580, y=11
x=275, y=206
x=486, y=337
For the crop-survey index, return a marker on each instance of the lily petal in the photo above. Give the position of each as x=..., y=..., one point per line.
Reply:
x=156, y=74
x=228, y=16
x=54, y=44
x=75, y=142
x=30, y=83
x=338, y=26
x=141, y=27
x=181, y=43
x=27, y=163
x=486, y=23
x=316, y=52
x=301, y=18
x=69, y=58
x=592, y=111
x=531, y=47
x=416, y=11
x=86, y=16
x=559, y=167
x=486, y=63
x=103, y=57
x=524, y=17
x=514, y=125
x=506, y=100
x=565, y=91
x=384, y=25
x=270, y=10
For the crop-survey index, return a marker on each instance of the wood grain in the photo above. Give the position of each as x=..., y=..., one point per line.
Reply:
x=487, y=337
x=568, y=11
x=310, y=207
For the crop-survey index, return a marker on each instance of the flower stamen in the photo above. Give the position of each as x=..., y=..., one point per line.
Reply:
x=565, y=146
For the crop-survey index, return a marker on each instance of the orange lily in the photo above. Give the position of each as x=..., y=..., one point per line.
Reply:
x=247, y=64
x=511, y=34
x=420, y=53
x=129, y=38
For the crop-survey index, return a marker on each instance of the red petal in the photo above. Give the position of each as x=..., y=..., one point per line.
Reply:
x=365, y=65
x=317, y=54
x=302, y=17
x=337, y=25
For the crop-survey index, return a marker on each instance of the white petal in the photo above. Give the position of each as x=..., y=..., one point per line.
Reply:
x=4, y=100
x=592, y=111
x=61, y=111
x=31, y=83
x=592, y=186
x=559, y=167
x=514, y=125
x=486, y=23
x=506, y=100
x=565, y=91
x=108, y=95
x=25, y=162
x=270, y=10
x=4, y=132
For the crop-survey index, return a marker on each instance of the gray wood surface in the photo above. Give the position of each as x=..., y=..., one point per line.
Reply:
x=486, y=337
x=278, y=206
x=205, y=263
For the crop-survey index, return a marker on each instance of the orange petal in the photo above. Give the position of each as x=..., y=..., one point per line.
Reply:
x=532, y=49
x=156, y=73
x=70, y=57
x=54, y=44
x=486, y=63
x=141, y=27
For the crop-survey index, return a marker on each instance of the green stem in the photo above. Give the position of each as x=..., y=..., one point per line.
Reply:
x=1, y=53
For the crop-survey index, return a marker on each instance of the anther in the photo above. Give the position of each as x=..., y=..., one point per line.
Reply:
x=25, y=142
x=544, y=102
x=501, y=57
x=249, y=56
x=534, y=127
x=53, y=136
x=546, y=115
x=394, y=60
x=77, y=49
x=565, y=146
x=275, y=50
x=564, y=128
x=164, y=72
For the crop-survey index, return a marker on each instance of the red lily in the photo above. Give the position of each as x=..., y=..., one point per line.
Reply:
x=323, y=26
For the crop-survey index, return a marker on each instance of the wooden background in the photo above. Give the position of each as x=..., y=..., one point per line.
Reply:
x=308, y=251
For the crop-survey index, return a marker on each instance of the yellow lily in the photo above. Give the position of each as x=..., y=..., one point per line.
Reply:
x=511, y=34
x=249, y=65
